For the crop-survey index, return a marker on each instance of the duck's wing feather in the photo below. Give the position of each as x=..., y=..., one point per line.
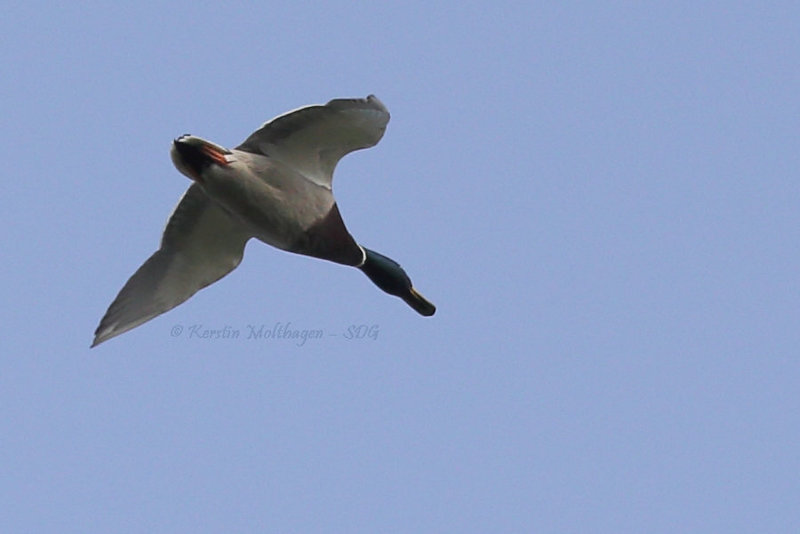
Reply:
x=313, y=139
x=201, y=244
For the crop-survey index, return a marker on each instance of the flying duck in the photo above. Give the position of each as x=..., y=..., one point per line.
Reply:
x=276, y=187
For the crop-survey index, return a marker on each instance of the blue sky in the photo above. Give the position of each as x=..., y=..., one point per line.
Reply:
x=600, y=198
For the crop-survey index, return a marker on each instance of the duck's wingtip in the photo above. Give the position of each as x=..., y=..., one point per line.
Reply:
x=97, y=340
x=105, y=332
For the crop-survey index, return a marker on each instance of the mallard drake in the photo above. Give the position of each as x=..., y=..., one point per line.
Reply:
x=276, y=187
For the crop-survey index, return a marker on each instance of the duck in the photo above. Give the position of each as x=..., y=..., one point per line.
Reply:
x=275, y=187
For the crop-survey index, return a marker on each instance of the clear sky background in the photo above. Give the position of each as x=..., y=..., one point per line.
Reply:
x=600, y=198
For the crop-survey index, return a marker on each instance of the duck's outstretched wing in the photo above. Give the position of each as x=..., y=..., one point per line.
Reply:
x=313, y=139
x=201, y=244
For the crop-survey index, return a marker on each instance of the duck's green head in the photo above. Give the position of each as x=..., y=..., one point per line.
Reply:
x=390, y=277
